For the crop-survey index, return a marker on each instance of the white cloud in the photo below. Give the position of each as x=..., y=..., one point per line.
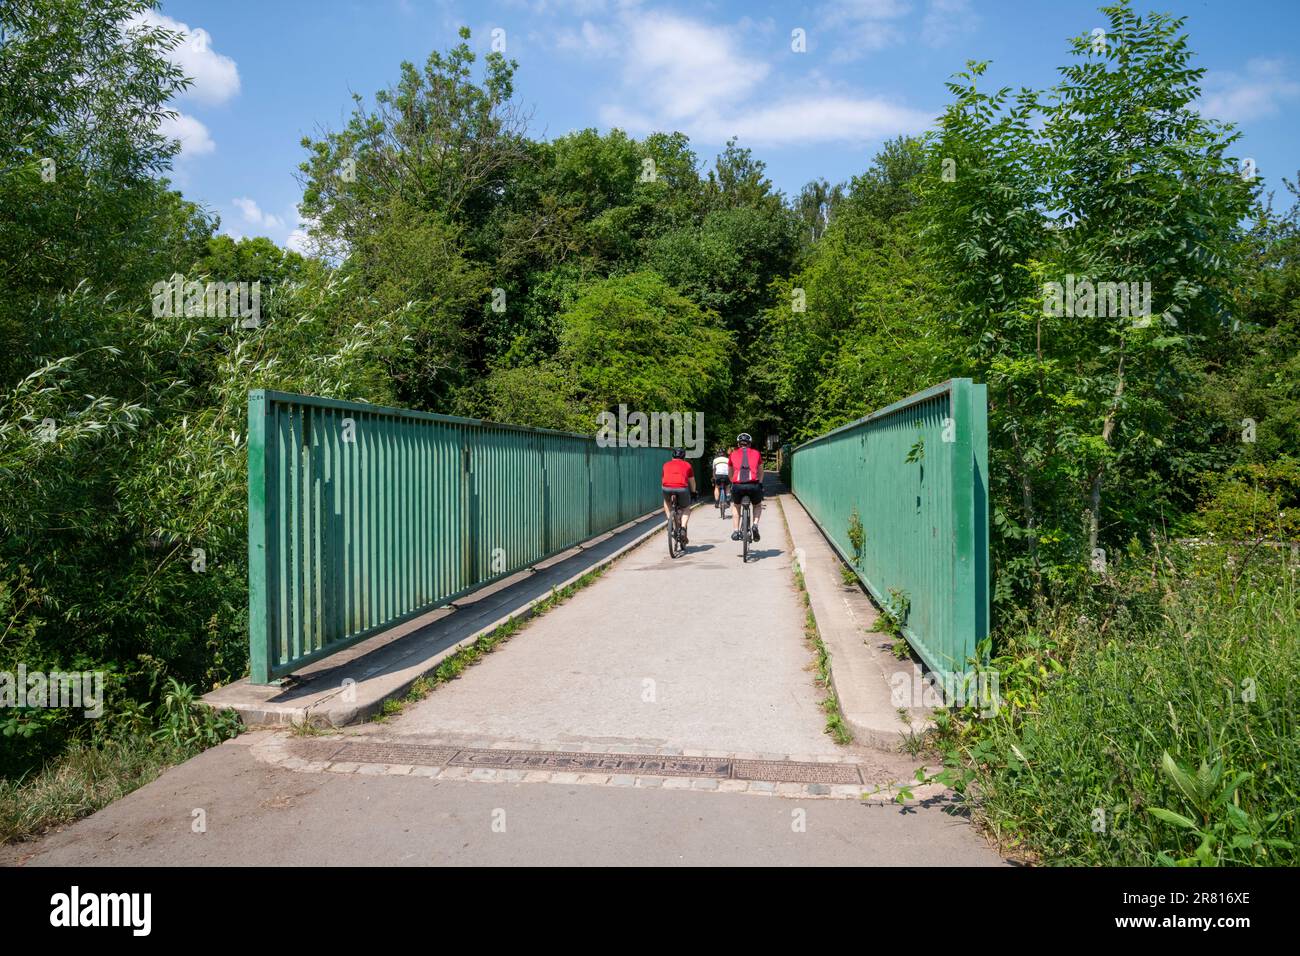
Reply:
x=254, y=215
x=861, y=26
x=194, y=136
x=589, y=38
x=289, y=231
x=299, y=242
x=819, y=119
x=946, y=20
x=686, y=67
x=216, y=77
x=683, y=74
x=807, y=120
x=1257, y=93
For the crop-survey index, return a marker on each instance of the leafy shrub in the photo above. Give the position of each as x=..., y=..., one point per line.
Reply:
x=1117, y=725
x=1254, y=501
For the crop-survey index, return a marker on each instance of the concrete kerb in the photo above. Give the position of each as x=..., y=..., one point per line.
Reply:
x=861, y=663
x=329, y=709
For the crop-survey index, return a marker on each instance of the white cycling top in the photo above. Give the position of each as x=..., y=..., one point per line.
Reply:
x=721, y=466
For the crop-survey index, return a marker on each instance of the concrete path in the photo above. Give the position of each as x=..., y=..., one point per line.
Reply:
x=255, y=814
x=698, y=652
x=701, y=656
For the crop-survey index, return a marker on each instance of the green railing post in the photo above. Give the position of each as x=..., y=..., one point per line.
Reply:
x=963, y=527
x=259, y=606
x=980, y=451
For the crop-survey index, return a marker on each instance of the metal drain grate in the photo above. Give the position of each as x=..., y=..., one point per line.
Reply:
x=645, y=765
x=788, y=771
x=417, y=754
x=554, y=761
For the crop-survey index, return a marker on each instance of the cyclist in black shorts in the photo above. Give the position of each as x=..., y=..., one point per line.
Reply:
x=746, y=482
x=678, y=481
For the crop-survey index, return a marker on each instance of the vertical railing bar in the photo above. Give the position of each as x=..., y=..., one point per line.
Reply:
x=260, y=548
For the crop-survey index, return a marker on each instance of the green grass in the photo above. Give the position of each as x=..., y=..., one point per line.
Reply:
x=129, y=749
x=124, y=750
x=84, y=778
x=890, y=620
x=914, y=742
x=305, y=728
x=830, y=705
x=835, y=725
x=1152, y=722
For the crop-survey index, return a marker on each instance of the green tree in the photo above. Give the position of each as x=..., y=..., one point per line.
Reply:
x=250, y=260
x=121, y=435
x=1123, y=182
x=636, y=340
x=82, y=97
x=855, y=328
x=436, y=140
x=814, y=207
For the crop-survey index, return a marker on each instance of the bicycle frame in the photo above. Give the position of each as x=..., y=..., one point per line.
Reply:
x=674, y=529
x=746, y=527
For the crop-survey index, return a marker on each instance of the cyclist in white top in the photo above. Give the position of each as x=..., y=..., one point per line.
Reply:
x=721, y=473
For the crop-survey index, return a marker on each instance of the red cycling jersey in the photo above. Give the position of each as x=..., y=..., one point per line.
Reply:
x=677, y=473
x=746, y=458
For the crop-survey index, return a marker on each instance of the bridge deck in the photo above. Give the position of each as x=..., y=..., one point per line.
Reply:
x=702, y=657
x=699, y=652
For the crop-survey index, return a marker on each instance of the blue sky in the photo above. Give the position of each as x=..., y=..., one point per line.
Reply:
x=267, y=73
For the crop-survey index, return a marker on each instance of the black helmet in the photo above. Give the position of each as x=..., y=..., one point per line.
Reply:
x=679, y=452
x=744, y=439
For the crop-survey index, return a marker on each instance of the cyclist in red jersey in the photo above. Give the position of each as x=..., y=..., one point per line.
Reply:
x=746, y=481
x=679, y=481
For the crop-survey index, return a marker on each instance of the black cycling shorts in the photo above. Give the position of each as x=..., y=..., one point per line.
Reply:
x=683, y=496
x=722, y=480
x=751, y=489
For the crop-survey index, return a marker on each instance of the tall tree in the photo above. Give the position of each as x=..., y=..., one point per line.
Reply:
x=83, y=95
x=1123, y=182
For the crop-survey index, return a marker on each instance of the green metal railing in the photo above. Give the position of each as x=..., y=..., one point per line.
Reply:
x=917, y=475
x=361, y=516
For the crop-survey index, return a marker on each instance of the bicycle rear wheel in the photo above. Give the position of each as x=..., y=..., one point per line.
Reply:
x=744, y=532
x=674, y=546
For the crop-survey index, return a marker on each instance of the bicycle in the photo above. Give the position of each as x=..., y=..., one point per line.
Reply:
x=746, y=529
x=675, y=531
x=722, y=501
